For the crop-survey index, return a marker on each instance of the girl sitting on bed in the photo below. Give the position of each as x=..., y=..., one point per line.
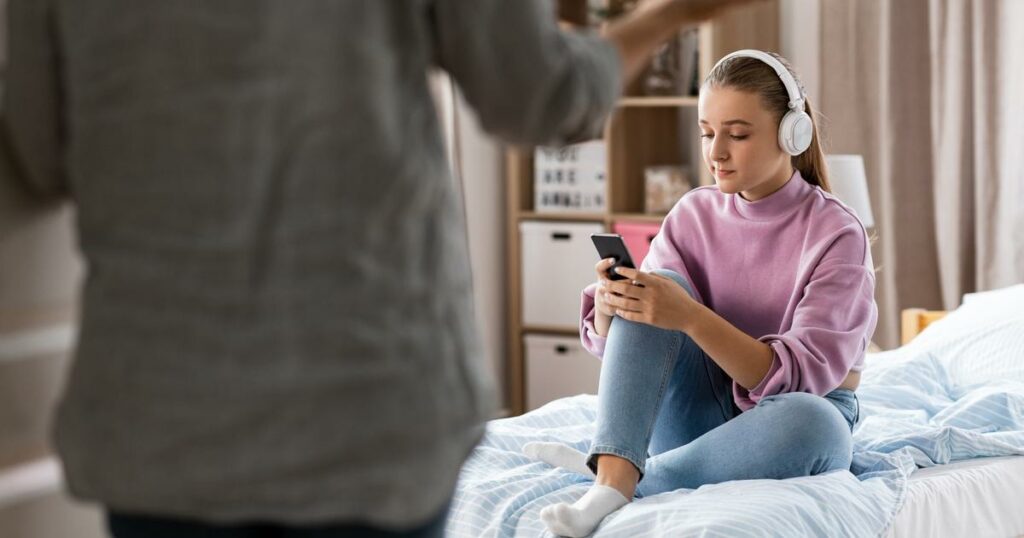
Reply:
x=734, y=351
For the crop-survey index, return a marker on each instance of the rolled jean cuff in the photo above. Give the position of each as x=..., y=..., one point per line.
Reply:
x=597, y=450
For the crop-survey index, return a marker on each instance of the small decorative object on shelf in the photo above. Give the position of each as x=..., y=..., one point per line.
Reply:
x=674, y=70
x=570, y=179
x=662, y=77
x=663, y=186
x=689, y=62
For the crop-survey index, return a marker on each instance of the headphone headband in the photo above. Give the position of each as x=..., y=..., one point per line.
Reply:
x=796, y=99
x=796, y=129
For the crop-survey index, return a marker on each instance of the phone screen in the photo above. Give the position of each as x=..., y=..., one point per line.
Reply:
x=612, y=246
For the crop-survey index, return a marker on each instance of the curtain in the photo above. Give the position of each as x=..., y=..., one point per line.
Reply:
x=925, y=90
x=977, y=115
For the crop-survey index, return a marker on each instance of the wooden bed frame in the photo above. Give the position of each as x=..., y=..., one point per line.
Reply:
x=914, y=320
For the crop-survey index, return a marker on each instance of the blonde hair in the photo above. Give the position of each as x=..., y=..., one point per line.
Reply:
x=754, y=76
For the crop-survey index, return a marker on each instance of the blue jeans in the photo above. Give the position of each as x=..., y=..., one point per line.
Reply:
x=667, y=407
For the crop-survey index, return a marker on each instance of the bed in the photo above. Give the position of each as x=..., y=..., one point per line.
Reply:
x=939, y=452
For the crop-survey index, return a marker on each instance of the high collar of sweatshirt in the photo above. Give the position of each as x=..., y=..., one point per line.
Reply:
x=777, y=204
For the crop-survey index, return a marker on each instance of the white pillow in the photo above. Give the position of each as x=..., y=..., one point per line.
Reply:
x=982, y=340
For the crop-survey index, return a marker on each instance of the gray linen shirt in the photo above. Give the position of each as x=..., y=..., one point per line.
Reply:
x=277, y=319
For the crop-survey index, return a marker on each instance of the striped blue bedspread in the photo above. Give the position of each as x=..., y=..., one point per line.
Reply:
x=924, y=404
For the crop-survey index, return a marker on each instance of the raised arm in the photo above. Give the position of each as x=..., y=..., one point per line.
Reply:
x=533, y=83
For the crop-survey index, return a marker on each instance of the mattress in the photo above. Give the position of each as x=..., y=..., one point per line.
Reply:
x=973, y=498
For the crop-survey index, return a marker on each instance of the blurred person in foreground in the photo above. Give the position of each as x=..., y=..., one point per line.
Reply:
x=277, y=328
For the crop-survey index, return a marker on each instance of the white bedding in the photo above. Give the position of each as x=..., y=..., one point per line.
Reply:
x=970, y=499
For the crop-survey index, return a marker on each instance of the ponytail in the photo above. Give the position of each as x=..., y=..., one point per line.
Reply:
x=811, y=163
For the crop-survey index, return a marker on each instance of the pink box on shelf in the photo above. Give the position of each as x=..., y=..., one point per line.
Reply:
x=637, y=236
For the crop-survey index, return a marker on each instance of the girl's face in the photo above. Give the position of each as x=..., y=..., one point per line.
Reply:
x=740, y=143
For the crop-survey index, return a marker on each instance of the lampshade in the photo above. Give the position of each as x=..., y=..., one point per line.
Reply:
x=850, y=184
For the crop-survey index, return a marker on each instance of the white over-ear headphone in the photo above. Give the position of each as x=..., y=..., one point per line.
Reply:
x=796, y=128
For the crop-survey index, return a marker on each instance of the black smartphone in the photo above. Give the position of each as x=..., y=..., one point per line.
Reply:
x=612, y=246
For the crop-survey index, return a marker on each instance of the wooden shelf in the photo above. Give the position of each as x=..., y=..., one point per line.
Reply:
x=550, y=329
x=641, y=131
x=642, y=217
x=668, y=101
x=591, y=217
x=585, y=217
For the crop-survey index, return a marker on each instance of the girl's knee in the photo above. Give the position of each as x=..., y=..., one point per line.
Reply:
x=803, y=408
x=668, y=273
x=815, y=425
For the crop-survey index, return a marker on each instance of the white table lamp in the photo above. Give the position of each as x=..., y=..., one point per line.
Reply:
x=850, y=184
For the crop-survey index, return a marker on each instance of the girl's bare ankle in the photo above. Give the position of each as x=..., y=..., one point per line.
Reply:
x=618, y=473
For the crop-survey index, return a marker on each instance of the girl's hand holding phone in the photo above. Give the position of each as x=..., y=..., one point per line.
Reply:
x=651, y=299
x=609, y=292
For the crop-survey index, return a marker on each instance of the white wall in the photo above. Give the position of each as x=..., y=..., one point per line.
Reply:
x=478, y=163
x=483, y=181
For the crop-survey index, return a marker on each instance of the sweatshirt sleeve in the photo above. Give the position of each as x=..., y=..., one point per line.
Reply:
x=30, y=119
x=831, y=327
x=592, y=342
x=529, y=81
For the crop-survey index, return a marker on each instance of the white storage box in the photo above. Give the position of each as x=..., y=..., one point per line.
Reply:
x=571, y=178
x=557, y=263
x=558, y=366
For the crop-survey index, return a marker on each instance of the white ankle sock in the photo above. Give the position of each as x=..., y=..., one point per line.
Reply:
x=559, y=455
x=582, y=517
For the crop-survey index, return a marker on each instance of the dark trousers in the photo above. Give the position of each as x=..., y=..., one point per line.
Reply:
x=124, y=525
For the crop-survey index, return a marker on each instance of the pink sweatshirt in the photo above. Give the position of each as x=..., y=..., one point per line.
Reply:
x=793, y=270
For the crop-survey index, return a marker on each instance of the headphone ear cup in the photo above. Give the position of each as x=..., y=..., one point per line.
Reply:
x=795, y=132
